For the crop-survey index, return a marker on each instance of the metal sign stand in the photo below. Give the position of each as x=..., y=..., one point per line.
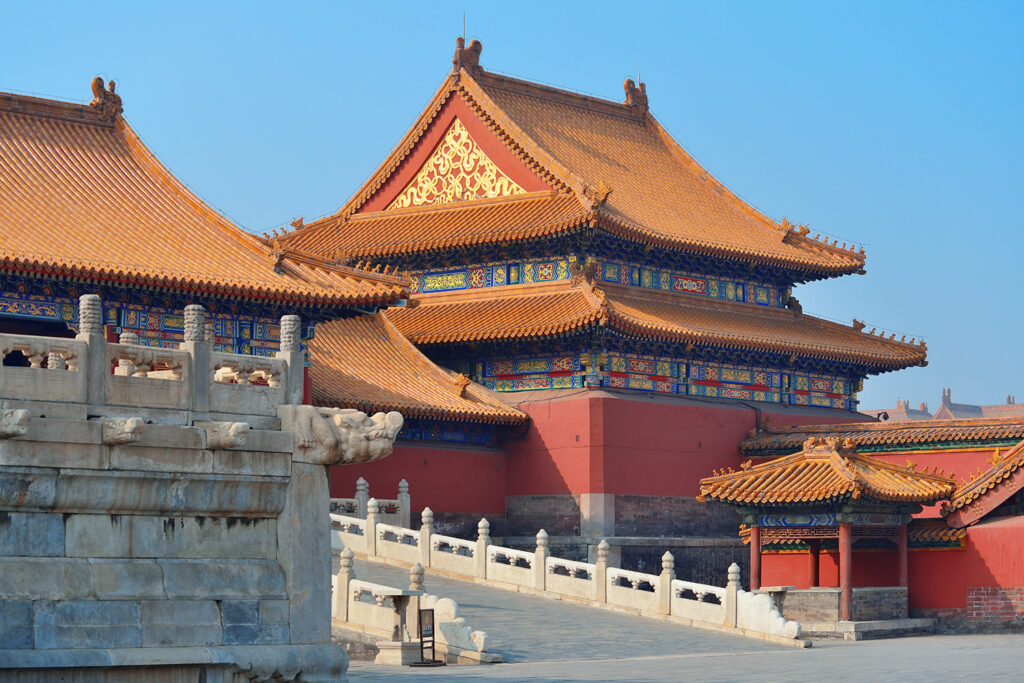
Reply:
x=426, y=634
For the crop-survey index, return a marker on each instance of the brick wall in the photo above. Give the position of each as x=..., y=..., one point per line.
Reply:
x=991, y=603
x=559, y=515
x=673, y=516
x=702, y=564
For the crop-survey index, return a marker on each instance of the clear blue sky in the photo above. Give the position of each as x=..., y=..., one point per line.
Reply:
x=894, y=124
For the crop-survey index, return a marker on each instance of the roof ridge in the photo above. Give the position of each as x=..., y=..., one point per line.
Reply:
x=32, y=105
x=577, y=99
x=463, y=205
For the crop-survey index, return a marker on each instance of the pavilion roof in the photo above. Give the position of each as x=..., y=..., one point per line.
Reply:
x=607, y=163
x=567, y=306
x=825, y=471
x=363, y=362
x=879, y=435
x=1003, y=467
x=81, y=196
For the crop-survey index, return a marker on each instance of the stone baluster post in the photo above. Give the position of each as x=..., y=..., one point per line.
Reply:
x=483, y=540
x=540, y=561
x=199, y=350
x=668, y=575
x=426, y=531
x=339, y=610
x=126, y=368
x=601, y=572
x=416, y=573
x=291, y=352
x=362, y=496
x=372, y=512
x=55, y=361
x=90, y=330
x=209, y=336
x=732, y=589
x=404, y=503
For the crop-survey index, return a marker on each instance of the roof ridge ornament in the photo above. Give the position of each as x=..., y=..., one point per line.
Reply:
x=467, y=58
x=636, y=98
x=105, y=100
x=597, y=195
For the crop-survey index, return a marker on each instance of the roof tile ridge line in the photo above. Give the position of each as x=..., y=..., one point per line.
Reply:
x=86, y=113
x=465, y=205
x=677, y=151
x=512, y=132
x=713, y=249
x=525, y=87
x=392, y=160
x=436, y=369
x=142, y=154
x=317, y=261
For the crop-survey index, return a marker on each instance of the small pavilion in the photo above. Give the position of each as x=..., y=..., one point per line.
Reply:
x=827, y=491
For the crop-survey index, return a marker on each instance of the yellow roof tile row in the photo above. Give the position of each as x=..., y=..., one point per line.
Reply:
x=887, y=433
x=80, y=195
x=826, y=470
x=363, y=362
x=566, y=306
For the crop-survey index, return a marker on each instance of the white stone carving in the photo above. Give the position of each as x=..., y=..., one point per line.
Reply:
x=757, y=612
x=451, y=628
x=330, y=436
x=195, y=323
x=290, y=326
x=90, y=314
x=222, y=435
x=121, y=431
x=13, y=423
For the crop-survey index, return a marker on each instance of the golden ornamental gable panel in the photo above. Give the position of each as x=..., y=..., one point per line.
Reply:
x=458, y=170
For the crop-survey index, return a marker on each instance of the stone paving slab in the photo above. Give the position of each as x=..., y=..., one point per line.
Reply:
x=548, y=640
x=526, y=628
x=927, y=659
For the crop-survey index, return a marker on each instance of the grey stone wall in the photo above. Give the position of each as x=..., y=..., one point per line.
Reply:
x=159, y=543
x=673, y=516
x=815, y=605
x=557, y=514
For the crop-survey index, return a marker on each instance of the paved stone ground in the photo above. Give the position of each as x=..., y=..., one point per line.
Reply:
x=546, y=640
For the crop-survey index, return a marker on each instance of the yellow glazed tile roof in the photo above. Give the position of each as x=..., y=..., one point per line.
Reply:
x=826, y=470
x=363, y=362
x=566, y=306
x=622, y=170
x=81, y=196
x=887, y=433
x=1004, y=465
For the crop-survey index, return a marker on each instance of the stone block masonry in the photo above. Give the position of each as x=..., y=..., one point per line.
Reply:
x=168, y=519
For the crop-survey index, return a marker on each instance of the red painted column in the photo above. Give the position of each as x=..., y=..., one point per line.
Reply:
x=845, y=570
x=755, y=558
x=904, y=566
x=812, y=562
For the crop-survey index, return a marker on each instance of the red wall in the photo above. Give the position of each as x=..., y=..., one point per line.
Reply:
x=453, y=479
x=939, y=579
x=597, y=443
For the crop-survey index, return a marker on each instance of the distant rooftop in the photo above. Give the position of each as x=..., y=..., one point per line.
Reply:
x=947, y=410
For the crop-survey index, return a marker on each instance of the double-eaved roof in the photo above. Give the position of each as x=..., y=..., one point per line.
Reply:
x=576, y=161
x=81, y=196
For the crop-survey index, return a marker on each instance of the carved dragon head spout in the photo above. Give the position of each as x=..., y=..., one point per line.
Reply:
x=332, y=436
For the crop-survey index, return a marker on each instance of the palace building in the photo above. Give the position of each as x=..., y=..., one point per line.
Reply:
x=567, y=253
x=88, y=209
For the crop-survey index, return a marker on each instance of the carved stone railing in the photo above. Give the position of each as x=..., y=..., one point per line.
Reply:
x=390, y=614
x=389, y=510
x=113, y=377
x=598, y=583
x=53, y=373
